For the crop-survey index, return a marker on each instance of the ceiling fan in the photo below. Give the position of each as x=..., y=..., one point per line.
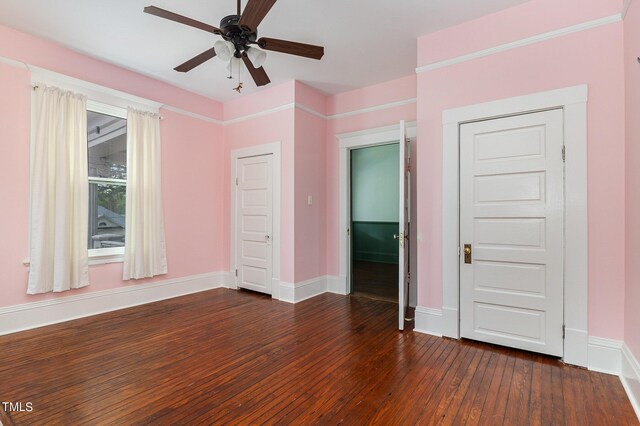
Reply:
x=240, y=33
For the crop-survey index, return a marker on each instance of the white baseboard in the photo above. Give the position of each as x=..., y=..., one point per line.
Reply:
x=37, y=314
x=630, y=378
x=450, y=322
x=229, y=280
x=294, y=293
x=575, y=341
x=428, y=321
x=337, y=285
x=604, y=355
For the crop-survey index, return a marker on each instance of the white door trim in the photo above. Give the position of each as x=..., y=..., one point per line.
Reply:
x=253, y=151
x=573, y=101
x=346, y=142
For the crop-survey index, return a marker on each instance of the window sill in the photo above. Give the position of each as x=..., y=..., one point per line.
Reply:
x=102, y=259
x=98, y=257
x=106, y=255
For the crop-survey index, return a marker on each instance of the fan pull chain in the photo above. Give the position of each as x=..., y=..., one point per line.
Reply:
x=239, y=87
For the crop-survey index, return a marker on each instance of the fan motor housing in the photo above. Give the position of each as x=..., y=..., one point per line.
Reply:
x=232, y=32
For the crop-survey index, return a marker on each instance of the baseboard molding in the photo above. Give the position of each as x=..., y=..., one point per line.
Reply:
x=294, y=293
x=428, y=321
x=450, y=322
x=228, y=280
x=303, y=290
x=575, y=341
x=38, y=314
x=630, y=377
x=605, y=355
x=337, y=285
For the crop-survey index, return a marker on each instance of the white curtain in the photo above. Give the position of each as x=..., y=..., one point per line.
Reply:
x=144, y=253
x=59, y=192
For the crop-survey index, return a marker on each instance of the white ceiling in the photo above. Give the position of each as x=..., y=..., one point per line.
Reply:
x=366, y=41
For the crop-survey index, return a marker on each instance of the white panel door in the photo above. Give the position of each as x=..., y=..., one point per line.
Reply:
x=511, y=231
x=254, y=223
x=403, y=231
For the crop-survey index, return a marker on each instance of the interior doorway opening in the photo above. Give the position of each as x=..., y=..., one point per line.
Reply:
x=374, y=221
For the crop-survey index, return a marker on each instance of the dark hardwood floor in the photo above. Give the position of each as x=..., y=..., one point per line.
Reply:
x=227, y=357
x=376, y=280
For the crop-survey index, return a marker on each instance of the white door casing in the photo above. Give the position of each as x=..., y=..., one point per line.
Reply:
x=254, y=223
x=512, y=230
x=403, y=232
x=573, y=101
x=348, y=141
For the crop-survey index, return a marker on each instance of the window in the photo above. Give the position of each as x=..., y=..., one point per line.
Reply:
x=107, y=160
x=107, y=157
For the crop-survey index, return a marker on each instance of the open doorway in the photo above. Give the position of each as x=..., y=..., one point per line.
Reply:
x=374, y=190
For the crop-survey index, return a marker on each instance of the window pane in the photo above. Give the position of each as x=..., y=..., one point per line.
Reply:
x=107, y=138
x=107, y=204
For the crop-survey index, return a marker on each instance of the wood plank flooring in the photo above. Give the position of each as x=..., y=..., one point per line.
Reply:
x=376, y=280
x=235, y=357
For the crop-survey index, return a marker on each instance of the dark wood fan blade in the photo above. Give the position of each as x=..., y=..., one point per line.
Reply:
x=292, y=47
x=259, y=75
x=196, y=60
x=152, y=10
x=254, y=12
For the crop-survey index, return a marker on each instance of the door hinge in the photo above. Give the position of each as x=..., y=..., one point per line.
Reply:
x=564, y=153
x=458, y=251
x=236, y=181
x=563, y=331
x=236, y=272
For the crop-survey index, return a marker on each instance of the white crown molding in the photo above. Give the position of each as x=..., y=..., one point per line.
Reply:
x=310, y=110
x=192, y=114
x=38, y=314
x=260, y=114
x=319, y=114
x=625, y=8
x=52, y=78
x=520, y=43
x=14, y=63
x=372, y=109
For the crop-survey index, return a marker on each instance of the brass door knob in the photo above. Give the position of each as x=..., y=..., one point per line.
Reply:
x=467, y=253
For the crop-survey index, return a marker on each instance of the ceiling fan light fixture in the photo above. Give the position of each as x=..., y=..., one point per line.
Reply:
x=224, y=49
x=256, y=56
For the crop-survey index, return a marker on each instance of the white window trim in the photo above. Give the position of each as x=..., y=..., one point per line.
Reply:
x=573, y=101
x=102, y=100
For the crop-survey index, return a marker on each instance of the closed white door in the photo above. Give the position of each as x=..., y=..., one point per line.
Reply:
x=511, y=231
x=254, y=227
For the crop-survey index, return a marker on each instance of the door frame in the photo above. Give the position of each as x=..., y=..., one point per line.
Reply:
x=573, y=102
x=346, y=142
x=255, y=151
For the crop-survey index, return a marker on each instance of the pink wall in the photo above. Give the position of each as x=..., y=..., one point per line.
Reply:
x=192, y=157
x=270, y=128
x=593, y=57
x=632, y=90
x=310, y=170
x=380, y=94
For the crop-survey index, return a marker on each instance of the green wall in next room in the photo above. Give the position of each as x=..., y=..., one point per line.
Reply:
x=374, y=203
